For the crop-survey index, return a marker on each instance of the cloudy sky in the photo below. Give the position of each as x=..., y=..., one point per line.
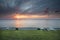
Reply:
x=30, y=7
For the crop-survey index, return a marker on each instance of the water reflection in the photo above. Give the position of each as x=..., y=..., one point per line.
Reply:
x=30, y=23
x=18, y=24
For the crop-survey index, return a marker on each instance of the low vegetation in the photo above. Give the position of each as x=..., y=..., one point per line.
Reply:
x=29, y=35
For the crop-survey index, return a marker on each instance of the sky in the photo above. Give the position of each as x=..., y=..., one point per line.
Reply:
x=30, y=7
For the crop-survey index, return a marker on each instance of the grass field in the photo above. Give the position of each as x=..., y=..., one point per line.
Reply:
x=29, y=35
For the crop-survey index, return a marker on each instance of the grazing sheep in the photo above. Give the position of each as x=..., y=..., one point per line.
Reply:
x=38, y=28
x=16, y=28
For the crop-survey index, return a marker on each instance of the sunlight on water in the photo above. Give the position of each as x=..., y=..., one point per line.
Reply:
x=17, y=23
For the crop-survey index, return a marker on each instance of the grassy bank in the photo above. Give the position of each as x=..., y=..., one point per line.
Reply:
x=29, y=35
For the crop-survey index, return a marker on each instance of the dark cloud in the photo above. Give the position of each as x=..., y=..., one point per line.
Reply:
x=8, y=7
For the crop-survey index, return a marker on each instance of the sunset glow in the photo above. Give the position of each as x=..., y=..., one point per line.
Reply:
x=17, y=16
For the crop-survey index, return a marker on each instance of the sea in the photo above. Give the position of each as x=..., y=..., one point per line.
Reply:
x=31, y=23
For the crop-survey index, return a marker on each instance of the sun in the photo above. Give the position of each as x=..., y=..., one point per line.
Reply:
x=17, y=16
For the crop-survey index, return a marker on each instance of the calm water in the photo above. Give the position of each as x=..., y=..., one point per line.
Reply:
x=30, y=23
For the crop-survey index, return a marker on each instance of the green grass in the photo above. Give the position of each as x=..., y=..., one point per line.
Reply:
x=29, y=35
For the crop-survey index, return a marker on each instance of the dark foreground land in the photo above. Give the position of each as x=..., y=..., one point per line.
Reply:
x=29, y=35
